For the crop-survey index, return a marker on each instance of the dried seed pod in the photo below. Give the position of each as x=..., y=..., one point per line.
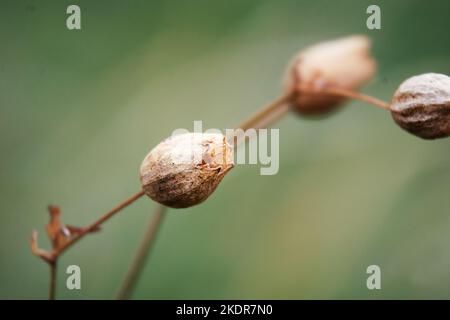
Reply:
x=344, y=63
x=185, y=169
x=421, y=106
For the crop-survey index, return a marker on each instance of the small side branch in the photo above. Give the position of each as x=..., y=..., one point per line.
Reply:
x=100, y=221
x=64, y=236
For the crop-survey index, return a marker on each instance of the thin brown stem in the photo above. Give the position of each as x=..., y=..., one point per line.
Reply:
x=98, y=222
x=52, y=287
x=52, y=257
x=347, y=93
x=261, y=119
x=264, y=112
x=142, y=253
x=273, y=117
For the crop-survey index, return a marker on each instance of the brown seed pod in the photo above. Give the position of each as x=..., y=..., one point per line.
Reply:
x=185, y=169
x=421, y=106
x=344, y=63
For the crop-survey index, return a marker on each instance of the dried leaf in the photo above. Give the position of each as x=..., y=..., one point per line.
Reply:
x=55, y=230
x=58, y=233
x=54, y=226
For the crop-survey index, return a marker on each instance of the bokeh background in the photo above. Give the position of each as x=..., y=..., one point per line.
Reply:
x=80, y=109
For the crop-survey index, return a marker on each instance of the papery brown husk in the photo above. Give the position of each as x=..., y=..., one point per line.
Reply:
x=343, y=63
x=182, y=185
x=421, y=106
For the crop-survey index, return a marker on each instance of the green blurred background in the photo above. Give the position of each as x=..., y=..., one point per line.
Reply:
x=80, y=109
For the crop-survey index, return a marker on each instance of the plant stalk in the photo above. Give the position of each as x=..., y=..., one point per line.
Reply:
x=142, y=253
x=261, y=119
x=346, y=93
x=52, y=287
x=52, y=257
x=98, y=222
x=265, y=112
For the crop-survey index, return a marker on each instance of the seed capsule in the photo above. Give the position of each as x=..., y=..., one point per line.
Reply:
x=344, y=63
x=421, y=106
x=185, y=169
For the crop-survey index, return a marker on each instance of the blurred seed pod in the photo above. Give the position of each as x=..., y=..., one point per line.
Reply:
x=185, y=169
x=421, y=105
x=344, y=63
